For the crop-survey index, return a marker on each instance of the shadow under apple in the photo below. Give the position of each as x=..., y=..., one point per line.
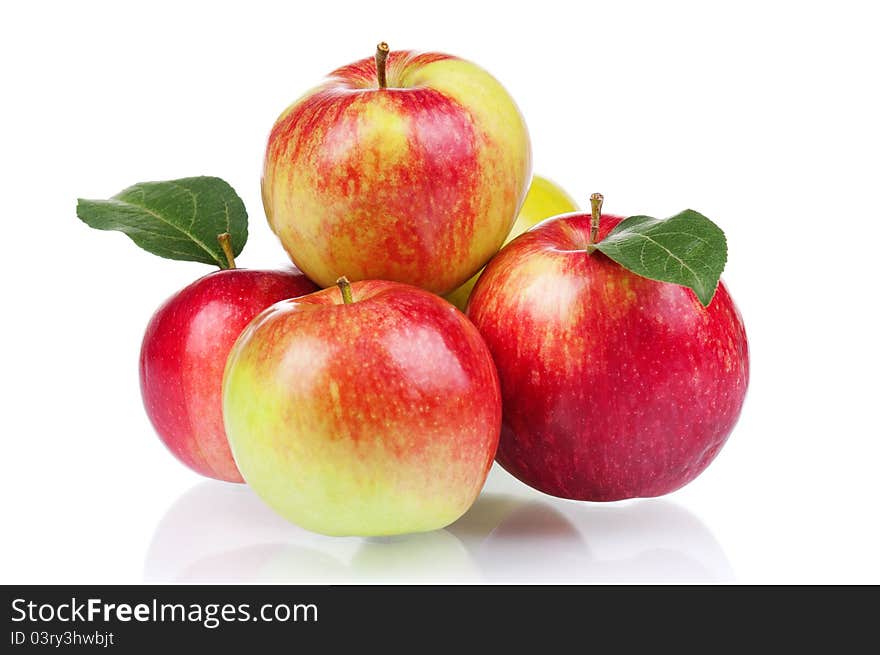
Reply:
x=555, y=541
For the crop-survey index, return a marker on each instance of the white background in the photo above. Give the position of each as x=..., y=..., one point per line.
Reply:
x=764, y=116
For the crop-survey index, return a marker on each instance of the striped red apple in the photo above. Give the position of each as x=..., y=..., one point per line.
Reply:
x=543, y=200
x=408, y=167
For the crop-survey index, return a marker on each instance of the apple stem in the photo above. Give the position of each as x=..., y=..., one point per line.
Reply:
x=225, y=240
x=345, y=288
x=381, y=58
x=596, y=201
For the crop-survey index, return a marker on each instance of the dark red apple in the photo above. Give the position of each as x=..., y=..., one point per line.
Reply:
x=614, y=385
x=184, y=353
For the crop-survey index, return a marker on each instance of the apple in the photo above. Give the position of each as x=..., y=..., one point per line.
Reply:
x=370, y=409
x=184, y=353
x=614, y=385
x=543, y=200
x=410, y=167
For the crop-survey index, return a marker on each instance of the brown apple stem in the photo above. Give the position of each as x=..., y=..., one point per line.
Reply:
x=596, y=201
x=345, y=287
x=225, y=240
x=381, y=58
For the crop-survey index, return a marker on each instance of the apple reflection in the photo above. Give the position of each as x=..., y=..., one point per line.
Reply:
x=647, y=541
x=217, y=532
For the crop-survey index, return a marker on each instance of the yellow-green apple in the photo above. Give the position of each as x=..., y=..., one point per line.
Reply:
x=544, y=199
x=183, y=356
x=408, y=167
x=369, y=409
x=614, y=385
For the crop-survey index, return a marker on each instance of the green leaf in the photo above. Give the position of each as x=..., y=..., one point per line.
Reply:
x=177, y=219
x=686, y=249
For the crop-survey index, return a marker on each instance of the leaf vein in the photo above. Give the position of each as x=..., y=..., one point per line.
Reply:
x=162, y=219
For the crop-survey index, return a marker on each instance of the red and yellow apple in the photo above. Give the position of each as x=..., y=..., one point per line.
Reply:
x=544, y=199
x=416, y=177
x=614, y=385
x=183, y=355
x=365, y=410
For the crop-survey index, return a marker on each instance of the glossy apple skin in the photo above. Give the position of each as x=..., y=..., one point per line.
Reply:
x=543, y=200
x=377, y=417
x=614, y=386
x=184, y=352
x=419, y=182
